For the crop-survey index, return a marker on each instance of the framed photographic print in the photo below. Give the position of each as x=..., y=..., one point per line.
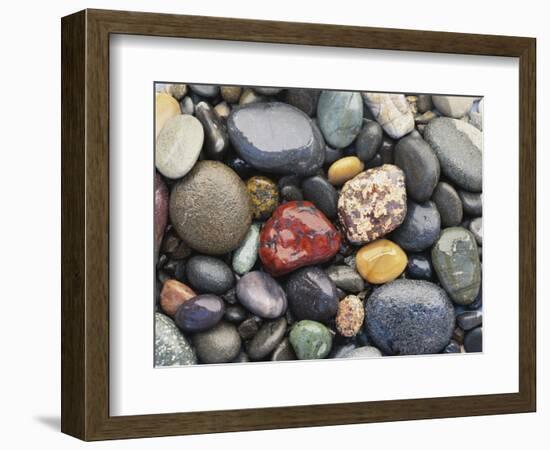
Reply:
x=271, y=224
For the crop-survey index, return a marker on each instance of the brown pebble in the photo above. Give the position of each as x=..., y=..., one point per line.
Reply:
x=174, y=293
x=350, y=316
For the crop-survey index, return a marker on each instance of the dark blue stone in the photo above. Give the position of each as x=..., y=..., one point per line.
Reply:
x=409, y=317
x=452, y=347
x=200, y=313
x=322, y=194
x=473, y=341
x=312, y=295
x=276, y=137
x=304, y=99
x=420, y=229
x=239, y=165
x=419, y=267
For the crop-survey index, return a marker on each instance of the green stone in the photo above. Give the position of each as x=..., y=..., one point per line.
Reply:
x=456, y=261
x=246, y=255
x=340, y=116
x=310, y=340
x=171, y=347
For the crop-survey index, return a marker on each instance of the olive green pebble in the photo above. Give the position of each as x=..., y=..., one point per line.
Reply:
x=310, y=340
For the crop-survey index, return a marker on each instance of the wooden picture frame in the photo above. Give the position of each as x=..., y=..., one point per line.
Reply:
x=85, y=224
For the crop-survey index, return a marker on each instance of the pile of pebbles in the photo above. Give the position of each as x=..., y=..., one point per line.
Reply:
x=307, y=224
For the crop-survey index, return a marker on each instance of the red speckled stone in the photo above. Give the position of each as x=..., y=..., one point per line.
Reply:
x=297, y=235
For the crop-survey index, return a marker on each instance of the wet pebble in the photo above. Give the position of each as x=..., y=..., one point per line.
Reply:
x=471, y=203
x=350, y=316
x=200, y=313
x=322, y=194
x=346, y=278
x=344, y=169
x=469, y=319
x=262, y=295
x=173, y=295
x=419, y=267
x=473, y=340
x=420, y=228
x=245, y=256
x=207, y=274
x=235, y=314
x=381, y=261
x=216, y=140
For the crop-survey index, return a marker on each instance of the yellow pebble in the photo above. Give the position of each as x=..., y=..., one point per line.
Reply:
x=344, y=169
x=380, y=261
x=166, y=107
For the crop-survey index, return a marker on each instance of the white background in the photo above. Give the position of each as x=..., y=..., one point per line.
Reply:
x=137, y=387
x=30, y=236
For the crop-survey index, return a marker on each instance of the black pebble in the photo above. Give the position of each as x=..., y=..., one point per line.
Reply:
x=473, y=341
x=322, y=194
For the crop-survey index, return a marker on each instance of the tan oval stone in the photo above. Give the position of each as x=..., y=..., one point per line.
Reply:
x=223, y=110
x=350, y=316
x=166, y=107
x=173, y=295
x=344, y=169
x=372, y=204
x=380, y=261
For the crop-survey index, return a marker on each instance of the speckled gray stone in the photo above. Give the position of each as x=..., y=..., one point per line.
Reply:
x=171, y=347
x=457, y=145
x=363, y=352
x=340, y=116
x=456, y=262
x=409, y=317
x=220, y=344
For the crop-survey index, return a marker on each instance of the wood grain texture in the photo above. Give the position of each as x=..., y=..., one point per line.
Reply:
x=85, y=224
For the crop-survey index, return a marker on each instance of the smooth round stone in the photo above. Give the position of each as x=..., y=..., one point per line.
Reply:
x=276, y=137
x=363, y=352
x=409, y=317
x=340, y=116
x=246, y=255
x=453, y=106
x=311, y=294
x=266, y=339
x=283, y=352
x=261, y=295
x=392, y=112
x=161, y=210
x=350, y=316
x=476, y=227
x=173, y=295
x=264, y=195
x=380, y=261
x=166, y=107
x=471, y=203
x=452, y=347
x=231, y=94
x=448, y=204
x=235, y=314
x=267, y=90
x=219, y=345
x=322, y=194
x=291, y=193
x=205, y=90
x=304, y=99
x=171, y=347
x=200, y=313
x=310, y=340
x=369, y=140
x=415, y=157
x=373, y=204
x=216, y=140
x=178, y=146
x=473, y=340
x=420, y=228
x=457, y=145
x=297, y=234
x=419, y=267
x=176, y=90
x=469, y=319
x=456, y=262
x=344, y=169
x=210, y=275
x=210, y=208
x=346, y=278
